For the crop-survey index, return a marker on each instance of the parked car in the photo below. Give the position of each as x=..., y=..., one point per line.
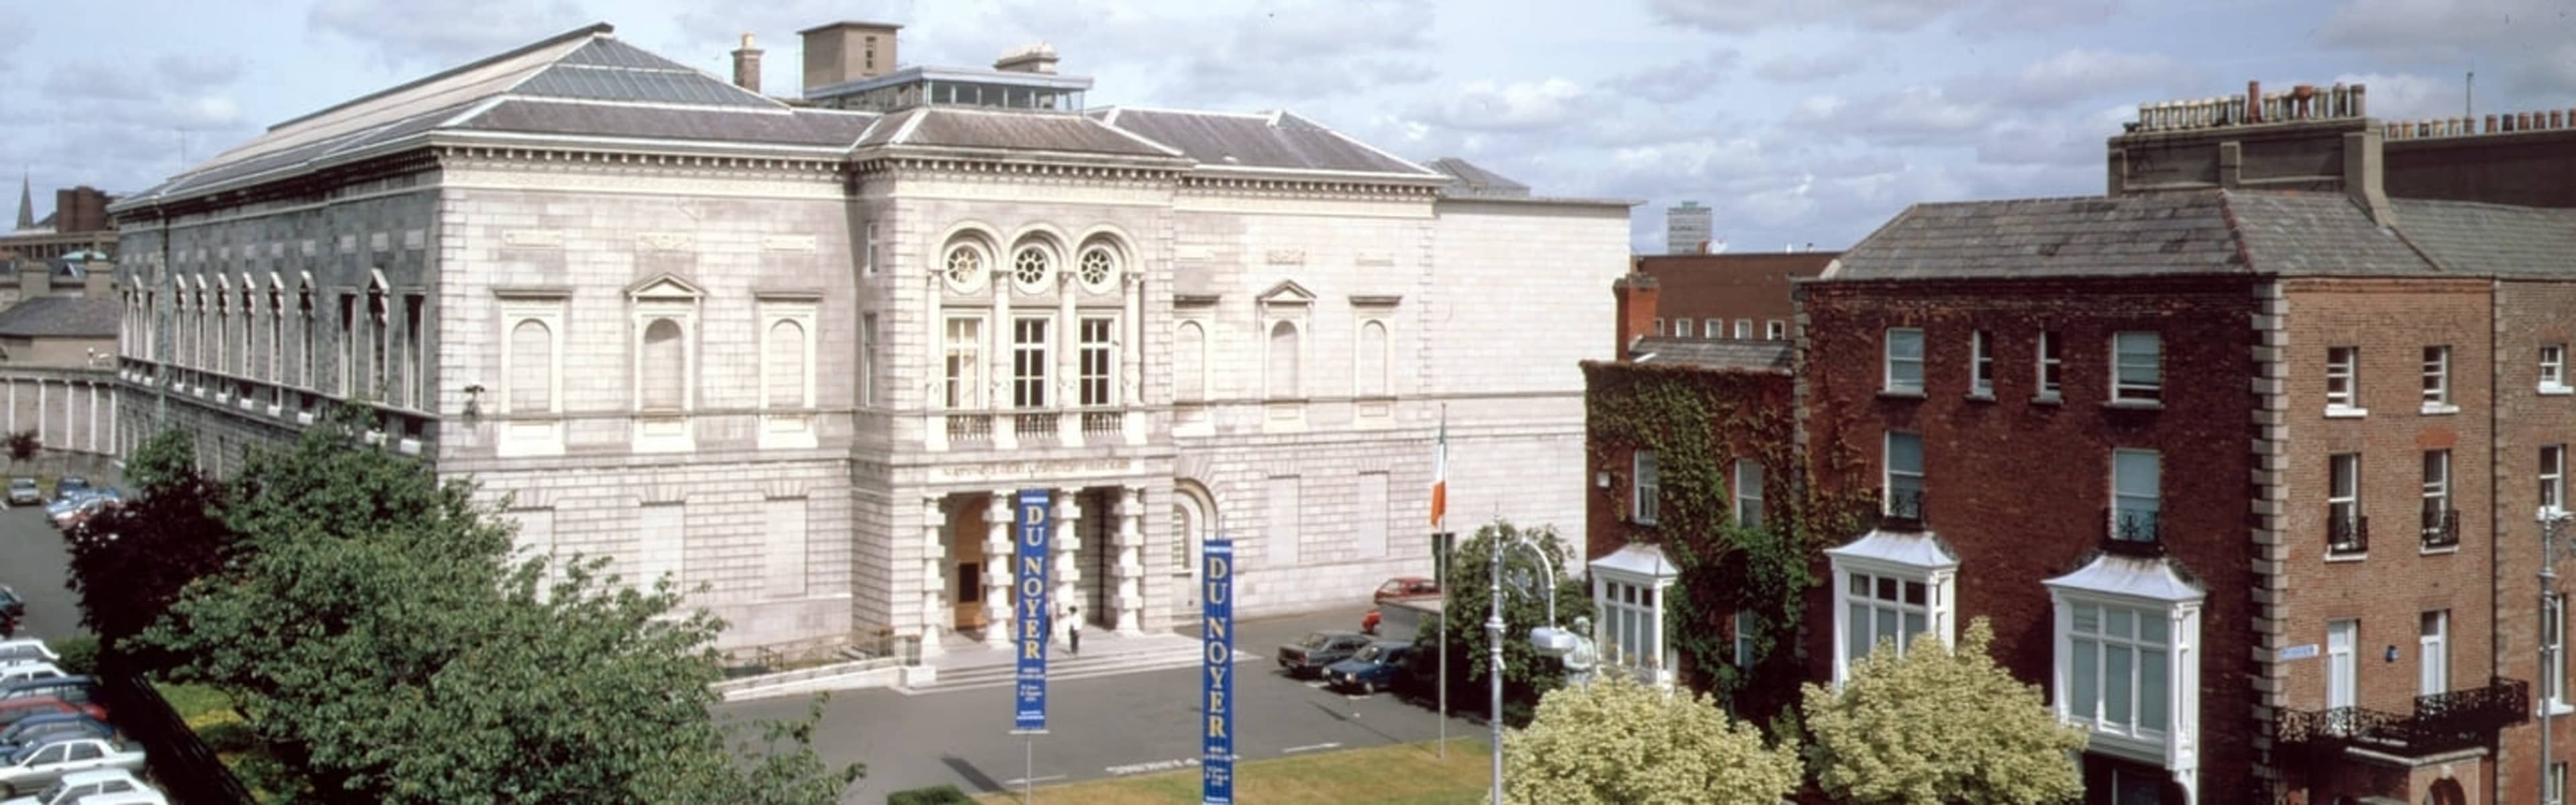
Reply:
x=84, y=786
x=74, y=689
x=143, y=797
x=37, y=729
x=89, y=507
x=69, y=485
x=33, y=768
x=1311, y=655
x=25, y=648
x=16, y=710
x=27, y=671
x=1406, y=587
x=24, y=492
x=1373, y=669
x=11, y=603
x=70, y=510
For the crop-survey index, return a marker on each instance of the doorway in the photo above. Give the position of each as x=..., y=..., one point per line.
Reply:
x=966, y=567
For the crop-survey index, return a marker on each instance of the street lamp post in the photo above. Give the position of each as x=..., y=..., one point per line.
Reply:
x=1549, y=640
x=2553, y=530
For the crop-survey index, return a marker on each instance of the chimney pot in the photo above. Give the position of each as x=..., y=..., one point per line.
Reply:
x=2491, y=124
x=2253, y=101
x=1635, y=295
x=2360, y=100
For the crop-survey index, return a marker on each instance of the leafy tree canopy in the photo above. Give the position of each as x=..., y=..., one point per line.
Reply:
x=1619, y=741
x=1526, y=673
x=1940, y=726
x=131, y=562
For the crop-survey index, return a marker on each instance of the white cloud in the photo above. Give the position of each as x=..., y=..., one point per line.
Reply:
x=1908, y=117
x=1675, y=82
x=1796, y=67
x=1518, y=106
x=2529, y=44
x=2079, y=74
x=1743, y=16
x=2405, y=96
x=438, y=35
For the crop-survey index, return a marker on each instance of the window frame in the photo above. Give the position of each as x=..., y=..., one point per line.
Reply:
x=2552, y=477
x=2343, y=500
x=2175, y=601
x=1897, y=585
x=536, y=432
x=1032, y=361
x=2433, y=652
x=2553, y=681
x=1981, y=365
x=2121, y=501
x=2104, y=645
x=962, y=363
x=1105, y=350
x=2125, y=389
x=2437, y=497
x=1748, y=494
x=1713, y=329
x=1645, y=488
x=2051, y=363
x=2553, y=369
x=2343, y=379
x=1682, y=327
x=1746, y=623
x=1888, y=473
x=792, y=426
x=1890, y=361
x=2437, y=380
x=1743, y=329
x=1775, y=330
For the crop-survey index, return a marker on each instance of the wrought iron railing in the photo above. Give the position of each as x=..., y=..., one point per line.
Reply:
x=2133, y=532
x=2442, y=722
x=2441, y=528
x=1902, y=511
x=2347, y=533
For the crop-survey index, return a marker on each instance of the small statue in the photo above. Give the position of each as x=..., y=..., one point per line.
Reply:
x=1579, y=663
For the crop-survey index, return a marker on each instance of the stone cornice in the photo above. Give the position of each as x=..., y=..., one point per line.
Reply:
x=995, y=168
x=681, y=165
x=1292, y=187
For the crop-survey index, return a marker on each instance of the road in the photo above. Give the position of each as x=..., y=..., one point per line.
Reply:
x=1103, y=727
x=34, y=561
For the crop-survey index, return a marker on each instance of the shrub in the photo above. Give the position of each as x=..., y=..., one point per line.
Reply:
x=78, y=655
x=933, y=795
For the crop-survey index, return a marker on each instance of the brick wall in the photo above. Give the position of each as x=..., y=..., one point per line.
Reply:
x=1726, y=394
x=2527, y=315
x=1730, y=287
x=2018, y=488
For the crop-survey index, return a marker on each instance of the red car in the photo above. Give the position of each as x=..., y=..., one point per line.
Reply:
x=12, y=710
x=1407, y=587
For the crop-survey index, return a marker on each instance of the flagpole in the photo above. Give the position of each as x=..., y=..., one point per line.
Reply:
x=1440, y=567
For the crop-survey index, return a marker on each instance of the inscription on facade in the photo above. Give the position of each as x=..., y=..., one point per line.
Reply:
x=1035, y=471
x=663, y=241
x=533, y=238
x=1287, y=257
x=787, y=243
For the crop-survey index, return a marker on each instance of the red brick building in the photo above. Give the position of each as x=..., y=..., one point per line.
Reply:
x=1741, y=297
x=2241, y=459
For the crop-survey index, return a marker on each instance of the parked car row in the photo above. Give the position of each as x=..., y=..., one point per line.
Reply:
x=57, y=744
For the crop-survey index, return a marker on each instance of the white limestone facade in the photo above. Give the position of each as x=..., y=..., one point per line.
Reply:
x=802, y=378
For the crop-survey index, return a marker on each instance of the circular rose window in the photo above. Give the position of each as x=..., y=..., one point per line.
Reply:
x=965, y=266
x=1096, y=268
x=1029, y=268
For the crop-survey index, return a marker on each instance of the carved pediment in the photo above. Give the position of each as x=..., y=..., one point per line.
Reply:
x=1286, y=293
x=664, y=287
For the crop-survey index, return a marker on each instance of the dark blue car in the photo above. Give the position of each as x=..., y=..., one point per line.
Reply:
x=47, y=728
x=1374, y=669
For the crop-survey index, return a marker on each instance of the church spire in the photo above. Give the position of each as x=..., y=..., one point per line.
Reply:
x=26, y=202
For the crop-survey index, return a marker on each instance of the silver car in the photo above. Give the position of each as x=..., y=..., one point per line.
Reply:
x=35, y=767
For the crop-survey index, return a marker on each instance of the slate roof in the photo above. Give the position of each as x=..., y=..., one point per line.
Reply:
x=2270, y=232
x=1471, y=180
x=60, y=317
x=962, y=127
x=1279, y=140
x=1759, y=356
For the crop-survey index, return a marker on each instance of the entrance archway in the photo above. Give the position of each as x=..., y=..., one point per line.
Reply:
x=1193, y=519
x=2447, y=792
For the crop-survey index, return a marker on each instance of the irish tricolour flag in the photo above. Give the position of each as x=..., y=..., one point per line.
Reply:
x=1440, y=473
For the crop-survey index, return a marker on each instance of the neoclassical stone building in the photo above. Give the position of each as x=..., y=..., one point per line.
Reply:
x=800, y=352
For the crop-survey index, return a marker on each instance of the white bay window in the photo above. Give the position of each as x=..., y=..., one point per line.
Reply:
x=1889, y=588
x=2127, y=661
x=1629, y=588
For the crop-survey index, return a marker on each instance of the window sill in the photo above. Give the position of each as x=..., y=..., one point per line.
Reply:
x=2547, y=390
x=1984, y=397
x=2438, y=550
x=2333, y=558
x=2439, y=409
x=2556, y=708
x=2339, y=412
x=2135, y=405
x=1900, y=394
x=2047, y=399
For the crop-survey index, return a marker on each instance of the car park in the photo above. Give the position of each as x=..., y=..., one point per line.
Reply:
x=32, y=768
x=1309, y=656
x=16, y=710
x=1374, y=668
x=73, y=689
x=24, y=492
x=69, y=485
x=44, y=727
x=85, y=786
x=29, y=671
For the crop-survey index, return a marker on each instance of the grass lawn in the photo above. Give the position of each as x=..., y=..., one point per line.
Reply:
x=210, y=714
x=1412, y=774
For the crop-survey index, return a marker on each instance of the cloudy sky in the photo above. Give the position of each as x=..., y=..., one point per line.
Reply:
x=1800, y=121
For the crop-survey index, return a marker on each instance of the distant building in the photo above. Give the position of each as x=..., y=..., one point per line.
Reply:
x=58, y=353
x=1688, y=228
x=1729, y=296
x=78, y=230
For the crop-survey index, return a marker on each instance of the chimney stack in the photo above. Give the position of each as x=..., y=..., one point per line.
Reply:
x=35, y=279
x=1636, y=294
x=746, y=65
x=99, y=281
x=842, y=52
x=1037, y=58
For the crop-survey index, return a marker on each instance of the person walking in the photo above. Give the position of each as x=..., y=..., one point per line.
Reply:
x=1073, y=630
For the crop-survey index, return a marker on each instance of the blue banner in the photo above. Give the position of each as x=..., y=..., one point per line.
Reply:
x=1031, y=606
x=1216, y=746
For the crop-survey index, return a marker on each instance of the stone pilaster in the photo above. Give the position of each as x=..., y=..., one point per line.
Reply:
x=1067, y=541
x=935, y=613
x=1129, y=597
x=998, y=565
x=997, y=364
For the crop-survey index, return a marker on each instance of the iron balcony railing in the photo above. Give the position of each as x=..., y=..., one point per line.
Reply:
x=2347, y=533
x=2441, y=527
x=2442, y=722
x=2133, y=532
x=1903, y=511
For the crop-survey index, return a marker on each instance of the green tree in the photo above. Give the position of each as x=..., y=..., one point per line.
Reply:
x=1527, y=675
x=23, y=445
x=373, y=631
x=1619, y=741
x=131, y=562
x=1940, y=726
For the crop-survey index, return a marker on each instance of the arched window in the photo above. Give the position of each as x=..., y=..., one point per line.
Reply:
x=664, y=363
x=786, y=358
x=1031, y=267
x=1189, y=356
x=532, y=367
x=964, y=266
x=1282, y=376
x=1372, y=359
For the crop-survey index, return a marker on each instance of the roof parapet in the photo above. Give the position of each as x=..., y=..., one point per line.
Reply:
x=2305, y=102
x=2508, y=123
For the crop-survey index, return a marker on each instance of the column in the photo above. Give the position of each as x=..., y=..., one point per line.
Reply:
x=934, y=398
x=41, y=438
x=1066, y=341
x=998, y=358
x=93, y=417
x=1130, y=596
x=1067, y=542
x=935, y=612
x=13, y=406
x=999, y=567
x=1131, y=360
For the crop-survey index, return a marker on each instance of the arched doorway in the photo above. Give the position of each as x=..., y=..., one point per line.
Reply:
x=1193, y=520
x=2447, y=792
